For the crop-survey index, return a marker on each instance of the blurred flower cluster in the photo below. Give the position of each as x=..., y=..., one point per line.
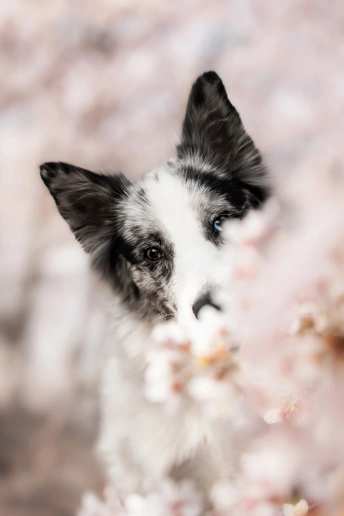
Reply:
x=271, y=362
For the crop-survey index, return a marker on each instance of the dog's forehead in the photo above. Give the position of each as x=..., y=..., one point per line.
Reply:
x=180, y=208
x=176, y=188
x=175, y=203
x=171, y=201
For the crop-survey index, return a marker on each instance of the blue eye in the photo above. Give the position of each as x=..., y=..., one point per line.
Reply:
x=217, y=224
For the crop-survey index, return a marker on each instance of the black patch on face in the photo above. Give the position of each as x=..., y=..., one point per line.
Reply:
x=216, y=184
x=151, y=278
x=227, y=197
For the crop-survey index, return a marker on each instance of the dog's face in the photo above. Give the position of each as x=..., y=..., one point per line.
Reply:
x=158, y=240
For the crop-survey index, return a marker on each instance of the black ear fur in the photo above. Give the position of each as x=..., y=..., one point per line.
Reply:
x=213, y=131
x=88, y=202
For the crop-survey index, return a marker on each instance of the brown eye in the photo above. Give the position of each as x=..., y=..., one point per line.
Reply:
x=153, y=254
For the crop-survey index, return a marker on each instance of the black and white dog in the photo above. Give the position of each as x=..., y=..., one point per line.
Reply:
x=155, y=243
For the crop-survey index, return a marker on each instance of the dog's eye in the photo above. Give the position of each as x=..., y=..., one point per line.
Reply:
x=218, y=222
x=153, y=254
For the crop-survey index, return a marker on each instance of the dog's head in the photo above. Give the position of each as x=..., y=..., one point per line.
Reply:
x=158, y=240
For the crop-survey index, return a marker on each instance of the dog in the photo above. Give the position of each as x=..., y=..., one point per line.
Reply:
x=155, y=243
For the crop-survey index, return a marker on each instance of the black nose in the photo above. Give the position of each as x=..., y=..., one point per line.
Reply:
x=202, y=301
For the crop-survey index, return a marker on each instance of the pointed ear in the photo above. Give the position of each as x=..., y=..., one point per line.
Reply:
x=88, y=202
x=213, y=132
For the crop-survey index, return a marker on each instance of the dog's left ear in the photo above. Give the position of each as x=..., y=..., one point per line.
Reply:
x=213, y=131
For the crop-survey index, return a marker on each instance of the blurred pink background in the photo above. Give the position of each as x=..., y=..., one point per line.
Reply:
x=104, y=85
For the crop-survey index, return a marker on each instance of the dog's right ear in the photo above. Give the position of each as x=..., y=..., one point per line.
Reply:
x=88, y=202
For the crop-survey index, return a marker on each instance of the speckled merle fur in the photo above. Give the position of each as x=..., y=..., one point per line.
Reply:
x=221, y=172
x=176, y=210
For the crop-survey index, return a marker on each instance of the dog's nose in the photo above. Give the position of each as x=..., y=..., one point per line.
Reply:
x=202, y=301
